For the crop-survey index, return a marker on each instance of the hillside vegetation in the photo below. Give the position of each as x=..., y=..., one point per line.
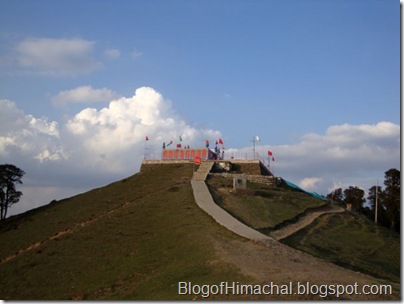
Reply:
x=346, y=239
x=260, y=206
x=134, y=239
x=351, y=240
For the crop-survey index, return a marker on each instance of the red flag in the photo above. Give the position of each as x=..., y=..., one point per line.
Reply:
x=273, y=158
x=147, y=138
x=220, y=141
x=269, y=153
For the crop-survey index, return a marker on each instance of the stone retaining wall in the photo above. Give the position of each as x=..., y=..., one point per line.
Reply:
x=261, y=179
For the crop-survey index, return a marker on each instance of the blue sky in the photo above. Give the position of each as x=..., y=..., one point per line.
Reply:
x=308, y=76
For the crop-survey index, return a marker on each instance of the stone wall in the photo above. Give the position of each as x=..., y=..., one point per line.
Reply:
x=260, y=179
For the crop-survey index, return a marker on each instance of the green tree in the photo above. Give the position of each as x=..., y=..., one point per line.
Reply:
x=10, y=175
x=381, y=213
x=355, y=197
x=336, y=195
x=391, y=198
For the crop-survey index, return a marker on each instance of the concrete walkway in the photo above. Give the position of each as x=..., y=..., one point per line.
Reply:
x=205, y=201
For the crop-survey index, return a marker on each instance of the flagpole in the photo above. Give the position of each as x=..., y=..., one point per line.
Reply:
x=269, y=163
x=377, y=190
x=256, y=138
x=145, y=141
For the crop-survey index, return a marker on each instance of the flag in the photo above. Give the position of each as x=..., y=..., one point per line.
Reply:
x=273, y=158
x=220, y=141
x=207, y=143
x=257, y=138
x=147, y=138
x=180, y=138
x=269, y=153
x=169, y=143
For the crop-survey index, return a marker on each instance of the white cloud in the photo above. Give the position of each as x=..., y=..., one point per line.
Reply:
x=48, y=56
x=84, y=94
x=26, y=135
x=112, y=53
x=309, y=183
x=97, y=146
x=94, y=147
x=113, y=136
x=345, y=154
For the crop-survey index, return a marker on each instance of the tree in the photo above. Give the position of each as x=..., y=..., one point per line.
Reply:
x=10, y=175
x=336, y=195
x=355, y=197
x=381, y=213
x=391, y=198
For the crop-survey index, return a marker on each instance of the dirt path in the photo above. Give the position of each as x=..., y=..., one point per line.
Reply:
x=303, y=222
x=272, y=261
x=61, y=233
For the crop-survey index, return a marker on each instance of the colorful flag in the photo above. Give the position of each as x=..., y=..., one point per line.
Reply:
x=269, y=153
x=169, y=143
x=220, y=141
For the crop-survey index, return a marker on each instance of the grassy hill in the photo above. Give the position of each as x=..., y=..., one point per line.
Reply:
x=346, y=239
x=136, y=239
x=352, y=241
x=260, y=206
x=133, y=239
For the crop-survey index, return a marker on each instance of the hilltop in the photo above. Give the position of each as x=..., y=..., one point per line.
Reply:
x=137, y=238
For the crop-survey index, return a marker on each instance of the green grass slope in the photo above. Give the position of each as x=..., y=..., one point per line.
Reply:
x=346, y=239
x=261, y=207
x=133, y=239
x=352, y=241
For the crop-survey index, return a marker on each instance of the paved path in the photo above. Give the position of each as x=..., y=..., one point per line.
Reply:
x=303, y=222
x=205, y=201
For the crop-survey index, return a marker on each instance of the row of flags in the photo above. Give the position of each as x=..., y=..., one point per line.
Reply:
x=218, y=142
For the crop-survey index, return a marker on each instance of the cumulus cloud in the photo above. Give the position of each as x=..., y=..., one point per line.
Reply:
x=84, y=94
x=95, y=146
x=98, y=146
x=344, y=155
x=27, y=136
x=47, y=56
x=115, y=135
